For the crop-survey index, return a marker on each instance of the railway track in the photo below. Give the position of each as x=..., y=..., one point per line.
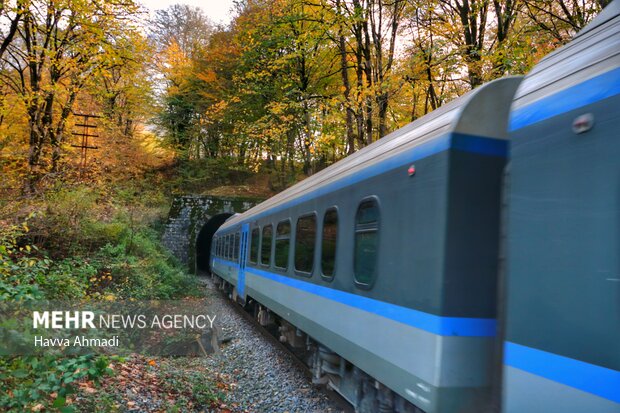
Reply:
x=272, y=370
x=332, y=395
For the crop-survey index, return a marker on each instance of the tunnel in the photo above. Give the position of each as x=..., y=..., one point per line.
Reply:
x=203, y=241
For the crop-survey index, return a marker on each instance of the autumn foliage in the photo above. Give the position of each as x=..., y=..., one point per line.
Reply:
x=294, y=83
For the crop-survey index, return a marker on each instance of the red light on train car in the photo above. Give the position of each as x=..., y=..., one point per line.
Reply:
x=411, y=170
x=583, y=123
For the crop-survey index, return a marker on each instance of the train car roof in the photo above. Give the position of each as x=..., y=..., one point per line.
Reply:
x=462, y=115
x=592, y=52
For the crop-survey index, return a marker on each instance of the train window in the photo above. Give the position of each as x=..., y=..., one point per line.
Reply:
x=231, y=246
x=328, y=244
x=236, y=250
x=265, y=250
x=254, y=246
x=283, y=241
x=305, y=237
x=366, y=241
x=228, y=246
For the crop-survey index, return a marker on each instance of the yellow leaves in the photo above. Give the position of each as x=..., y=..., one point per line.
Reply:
x=175, y=55
x=278, y=108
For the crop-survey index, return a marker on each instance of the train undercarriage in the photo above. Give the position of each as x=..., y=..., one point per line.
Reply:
x=364, y=393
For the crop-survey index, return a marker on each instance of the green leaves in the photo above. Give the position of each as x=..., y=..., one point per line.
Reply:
x=20, y=266
x=46, y=381
x=59, y=402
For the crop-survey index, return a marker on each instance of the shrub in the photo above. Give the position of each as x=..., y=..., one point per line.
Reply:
x=33, y=383
x=20, y=266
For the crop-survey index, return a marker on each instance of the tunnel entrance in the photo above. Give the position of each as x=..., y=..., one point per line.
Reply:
x=203, y=241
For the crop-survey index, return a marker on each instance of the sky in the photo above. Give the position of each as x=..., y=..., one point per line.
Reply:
x=217, y=10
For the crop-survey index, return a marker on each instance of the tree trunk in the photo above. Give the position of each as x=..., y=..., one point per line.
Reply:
x=359, y=72
x=307, y=137
x=369, y=83
x=344, y=67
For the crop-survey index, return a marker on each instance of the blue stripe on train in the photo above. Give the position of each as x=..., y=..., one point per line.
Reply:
x=480, y=145
x=584, y=376
x=461, y=142
x=583, y=94
x=445, y=326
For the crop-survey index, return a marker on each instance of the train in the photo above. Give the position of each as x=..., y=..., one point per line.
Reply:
x=467, y=262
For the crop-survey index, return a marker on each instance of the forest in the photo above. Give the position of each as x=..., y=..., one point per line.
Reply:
x=296, y=83
x=108, y=110
x=287, y=85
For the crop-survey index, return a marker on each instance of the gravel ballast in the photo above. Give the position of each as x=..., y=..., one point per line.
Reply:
x=263, y=377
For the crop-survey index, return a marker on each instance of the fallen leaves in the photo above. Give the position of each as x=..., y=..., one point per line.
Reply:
x=149, y=385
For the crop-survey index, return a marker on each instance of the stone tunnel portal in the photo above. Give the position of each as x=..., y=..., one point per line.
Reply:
x=203, y=241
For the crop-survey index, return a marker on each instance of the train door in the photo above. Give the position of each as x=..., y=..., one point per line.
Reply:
x=243, y=260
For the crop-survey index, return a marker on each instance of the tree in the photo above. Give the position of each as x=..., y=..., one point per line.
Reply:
x=430, y=64
x=182, y=25
x=60, y=46
x=385, y=18
x=561, y=18
x=12, y=15
x=180, y=34
x=302, y=82
x=470, y=19
x=124, y=90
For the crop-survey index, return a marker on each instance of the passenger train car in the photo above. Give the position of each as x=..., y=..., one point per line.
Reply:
x=468, y=262
x=562, y=350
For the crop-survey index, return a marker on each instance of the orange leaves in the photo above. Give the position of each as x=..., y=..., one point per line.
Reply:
x=141, y=383
x=176, y=57
x=208, y=76
x=87, y=387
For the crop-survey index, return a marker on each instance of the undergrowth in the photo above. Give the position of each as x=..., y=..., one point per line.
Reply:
x=80, y=244
x=95, y=235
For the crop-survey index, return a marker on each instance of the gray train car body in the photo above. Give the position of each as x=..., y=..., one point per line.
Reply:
x=422, y=208
x=562, y=351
